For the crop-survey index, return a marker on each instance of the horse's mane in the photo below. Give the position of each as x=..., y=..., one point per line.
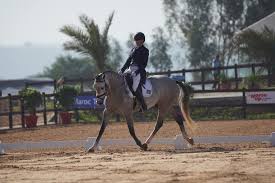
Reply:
x=114, y=76
x=112, y=73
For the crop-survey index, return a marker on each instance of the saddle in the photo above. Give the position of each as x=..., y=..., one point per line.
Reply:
x=146, y=87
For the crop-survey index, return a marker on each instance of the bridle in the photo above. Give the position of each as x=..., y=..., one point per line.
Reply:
x=101, y=96
x=101, y=79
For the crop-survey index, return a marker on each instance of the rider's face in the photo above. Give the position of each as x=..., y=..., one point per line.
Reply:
x=139, y=42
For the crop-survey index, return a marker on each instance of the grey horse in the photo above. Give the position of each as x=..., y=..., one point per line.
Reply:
x=167, y=94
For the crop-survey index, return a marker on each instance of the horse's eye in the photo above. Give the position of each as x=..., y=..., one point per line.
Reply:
x=101, y=88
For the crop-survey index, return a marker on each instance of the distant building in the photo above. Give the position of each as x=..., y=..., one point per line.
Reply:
x=268, y=21
x=14, y=86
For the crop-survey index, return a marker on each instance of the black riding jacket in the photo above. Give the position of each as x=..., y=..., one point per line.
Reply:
x=138, y=57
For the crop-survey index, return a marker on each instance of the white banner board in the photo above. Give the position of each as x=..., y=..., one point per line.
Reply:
x=260, y=97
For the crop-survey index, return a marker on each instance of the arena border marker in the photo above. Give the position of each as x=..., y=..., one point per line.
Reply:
x=178, y=142
x=43, y=145
x=89, y=142
x=273, y=139
x=28, y=145
x=2, y=150
x=181, y=144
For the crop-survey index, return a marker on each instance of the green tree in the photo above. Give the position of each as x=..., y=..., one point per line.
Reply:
x=115, y=55
x=70, y=67
x=130, y=42
x=193, y=21
x=230, y=20
x=89, y=41
x=159, y=58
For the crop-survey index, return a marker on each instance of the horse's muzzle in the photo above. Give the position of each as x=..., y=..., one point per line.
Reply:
x=100, y=98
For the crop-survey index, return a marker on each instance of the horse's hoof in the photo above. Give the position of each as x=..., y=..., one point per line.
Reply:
x=144, y=147
x=191, y=141
x=90, y=150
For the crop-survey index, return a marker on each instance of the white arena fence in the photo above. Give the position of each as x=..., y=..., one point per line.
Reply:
x=178, y=142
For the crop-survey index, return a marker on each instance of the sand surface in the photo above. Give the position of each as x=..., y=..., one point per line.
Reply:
x=248, y=162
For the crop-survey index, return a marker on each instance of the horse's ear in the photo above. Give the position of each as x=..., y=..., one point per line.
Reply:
x=100, y=77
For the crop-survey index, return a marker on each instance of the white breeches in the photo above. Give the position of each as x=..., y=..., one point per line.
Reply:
x=136, y=77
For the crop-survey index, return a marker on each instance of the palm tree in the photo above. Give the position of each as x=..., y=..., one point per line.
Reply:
x=89, y=41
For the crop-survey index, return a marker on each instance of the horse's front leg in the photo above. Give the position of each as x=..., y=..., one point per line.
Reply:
x=131, y=128
x=159, y=123
x=101, y=131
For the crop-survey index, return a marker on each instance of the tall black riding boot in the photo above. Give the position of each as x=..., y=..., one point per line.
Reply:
x=140, y=98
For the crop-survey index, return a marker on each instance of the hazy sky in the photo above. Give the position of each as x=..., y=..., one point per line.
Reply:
x=39, y=21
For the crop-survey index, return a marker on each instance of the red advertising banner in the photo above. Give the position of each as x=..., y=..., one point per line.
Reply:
x=260, y=97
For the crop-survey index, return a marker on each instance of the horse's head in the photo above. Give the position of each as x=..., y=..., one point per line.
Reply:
x=100, y=88
x=104, y=82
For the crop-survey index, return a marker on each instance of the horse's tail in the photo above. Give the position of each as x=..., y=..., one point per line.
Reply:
x=186, y=94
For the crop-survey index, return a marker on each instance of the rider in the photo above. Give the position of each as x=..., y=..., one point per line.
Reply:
x=135, y=64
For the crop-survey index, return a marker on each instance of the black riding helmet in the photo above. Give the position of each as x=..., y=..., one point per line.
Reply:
x=139, y=36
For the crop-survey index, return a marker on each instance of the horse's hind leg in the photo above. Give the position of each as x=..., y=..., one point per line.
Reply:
x=159, y=123
x=179, y=119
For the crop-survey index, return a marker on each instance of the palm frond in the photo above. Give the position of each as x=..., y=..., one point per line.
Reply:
x=94, y=34
x=107, y=26
x=104, y=37
x=84, y=20
x=89, y=41
x=91, y=28
x=75, y=33
x=76, y=46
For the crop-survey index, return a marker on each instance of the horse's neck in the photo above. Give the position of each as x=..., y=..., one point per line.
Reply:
x=115, y=83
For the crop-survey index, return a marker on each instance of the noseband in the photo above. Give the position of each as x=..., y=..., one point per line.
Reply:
x=102, y=95
x=101, y=79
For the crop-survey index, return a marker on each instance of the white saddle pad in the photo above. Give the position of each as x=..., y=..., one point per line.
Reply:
x=146, y=89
